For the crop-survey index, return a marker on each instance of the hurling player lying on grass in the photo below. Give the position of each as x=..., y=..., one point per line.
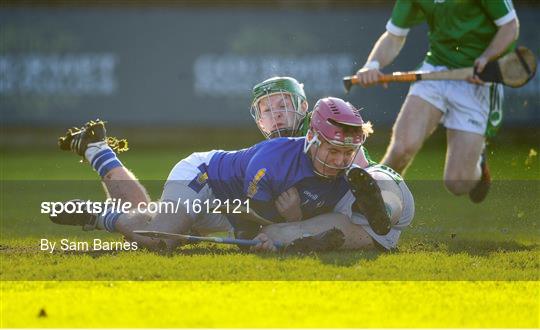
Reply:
x=314, y=165
x=280, y=109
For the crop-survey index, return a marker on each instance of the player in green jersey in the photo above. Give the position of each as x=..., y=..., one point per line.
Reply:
x=461, y=34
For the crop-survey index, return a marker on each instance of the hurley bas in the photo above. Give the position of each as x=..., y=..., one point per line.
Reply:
x=96, y=245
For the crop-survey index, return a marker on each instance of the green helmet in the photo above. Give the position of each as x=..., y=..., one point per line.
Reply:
x=277, y=106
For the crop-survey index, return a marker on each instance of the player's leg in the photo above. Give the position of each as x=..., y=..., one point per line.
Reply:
x=90, y=142
x=415, y=123
x=127, y=222
x=170, y=215
x=418, y=118
x=474, y=111
x=358, y=234
x=121, y=183
x=368, y=199
x=462, y=170
x=398, y=204
x=171, y=222
x=174, y=213
x=173, y=217
x=185, y=188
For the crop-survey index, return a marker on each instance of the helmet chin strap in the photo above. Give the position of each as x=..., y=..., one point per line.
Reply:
x=325, y=166
x=311, y=141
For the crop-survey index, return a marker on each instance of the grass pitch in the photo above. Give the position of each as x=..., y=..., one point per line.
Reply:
x=459, y=265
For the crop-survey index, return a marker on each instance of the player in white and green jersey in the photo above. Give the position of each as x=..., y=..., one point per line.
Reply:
x=461, y=34
x=280, y=109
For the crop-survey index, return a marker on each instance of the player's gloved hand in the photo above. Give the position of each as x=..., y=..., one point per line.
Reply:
x=479, y=65
x=266, y=245
x=288, y=205
x=369, y=77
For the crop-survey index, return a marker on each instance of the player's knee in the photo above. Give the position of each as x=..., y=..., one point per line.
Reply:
x=403, y=150
x=458, y=183
x=457, y=187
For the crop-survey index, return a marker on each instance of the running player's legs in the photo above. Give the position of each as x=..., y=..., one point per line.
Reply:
x=472, y=110
x=415, y=123
x=461, y=170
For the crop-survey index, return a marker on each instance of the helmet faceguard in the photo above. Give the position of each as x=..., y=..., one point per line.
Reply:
x=337, y=132
x=278, y=106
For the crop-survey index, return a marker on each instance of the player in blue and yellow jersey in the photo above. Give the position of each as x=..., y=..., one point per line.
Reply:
x=314, y=165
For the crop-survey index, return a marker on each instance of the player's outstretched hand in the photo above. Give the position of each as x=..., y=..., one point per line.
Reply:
x=266, y=244
x=369, y=77
x=288, y=205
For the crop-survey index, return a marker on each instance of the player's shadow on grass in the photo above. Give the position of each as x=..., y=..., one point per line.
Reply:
x=334, y=258
x=91, y=253
x=206, y=249
x=483, y=248
x=348, y=258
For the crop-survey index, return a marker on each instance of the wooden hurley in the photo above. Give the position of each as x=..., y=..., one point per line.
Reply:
x=197, y=239
x=514, y=69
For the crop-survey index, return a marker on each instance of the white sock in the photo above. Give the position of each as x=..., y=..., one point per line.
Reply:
x=94, y=148
x=102, y=158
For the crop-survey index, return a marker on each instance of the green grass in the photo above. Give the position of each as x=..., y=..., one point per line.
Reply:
x=458, y=265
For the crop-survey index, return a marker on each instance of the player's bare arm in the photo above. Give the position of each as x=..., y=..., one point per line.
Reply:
x=506, y=34
x=385, y=50
x=355, y=236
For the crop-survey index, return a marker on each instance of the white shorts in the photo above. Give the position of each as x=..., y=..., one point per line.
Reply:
x=400, y=189
x=465, y=106
x=179, y=185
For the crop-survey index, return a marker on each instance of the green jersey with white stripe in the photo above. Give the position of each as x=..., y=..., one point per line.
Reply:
x=459, y=30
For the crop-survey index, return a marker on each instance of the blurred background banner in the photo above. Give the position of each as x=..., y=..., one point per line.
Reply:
x=186, y=64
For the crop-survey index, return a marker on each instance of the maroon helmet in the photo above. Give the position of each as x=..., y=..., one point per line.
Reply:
x=339, y=123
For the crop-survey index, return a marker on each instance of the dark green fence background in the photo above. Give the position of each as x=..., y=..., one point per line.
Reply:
x=195, y=65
